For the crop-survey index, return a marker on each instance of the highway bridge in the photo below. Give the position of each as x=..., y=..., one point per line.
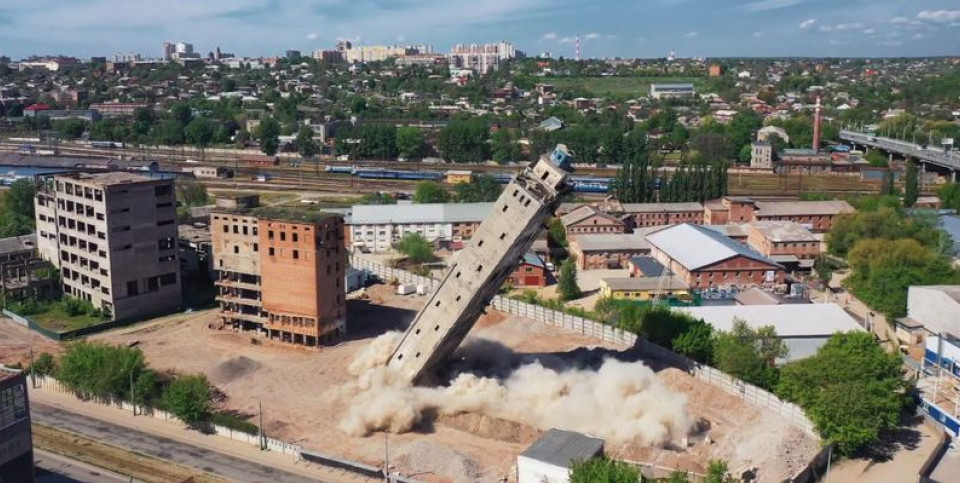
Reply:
x=923, y=154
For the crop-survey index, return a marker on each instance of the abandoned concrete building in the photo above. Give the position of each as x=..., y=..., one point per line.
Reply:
x=113, y=236
x=280, y=272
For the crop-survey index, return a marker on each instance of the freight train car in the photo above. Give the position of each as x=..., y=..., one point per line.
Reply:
x=340, y=169
x=396, y=174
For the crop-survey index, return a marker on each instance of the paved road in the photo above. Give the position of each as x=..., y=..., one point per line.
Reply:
x=54, y=468
x=159, y=447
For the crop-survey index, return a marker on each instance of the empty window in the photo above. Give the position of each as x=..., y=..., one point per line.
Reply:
x=479, y=267
x=503, y=235
x=296, y=254
x=283, y=236
x=295, y=238
x=480, y=243
x=270, y=234
x=271, y=251
x=236, y=249
x=504, y=208
x=437, y=304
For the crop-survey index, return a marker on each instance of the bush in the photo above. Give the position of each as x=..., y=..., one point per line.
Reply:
x=415, y=247
x=234, y=422
x=567, y=284
x=188, y=397
x=45, y=365
x=603, y=470
x=99, y=369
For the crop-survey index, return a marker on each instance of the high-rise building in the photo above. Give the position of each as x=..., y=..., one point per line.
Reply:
x=280, y=271
x=481, y=58
x=184, y=49
x=168, y=50
x=113, y=236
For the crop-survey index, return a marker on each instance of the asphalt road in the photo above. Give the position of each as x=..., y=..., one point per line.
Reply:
x=54, y=468
x=159, y=447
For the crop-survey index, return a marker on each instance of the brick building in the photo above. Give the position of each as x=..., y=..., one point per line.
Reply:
x=782, y=238
x=281, y=272
x=590, y=220
x=704, y=259
x=532, y=272
x=658, y=214
x=816, y=215
x=595, y=252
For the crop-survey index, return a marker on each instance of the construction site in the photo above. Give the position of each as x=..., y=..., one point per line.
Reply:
x=441, y=387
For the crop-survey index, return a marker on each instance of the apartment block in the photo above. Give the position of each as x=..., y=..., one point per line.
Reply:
x=113, y=236
x=280, y=272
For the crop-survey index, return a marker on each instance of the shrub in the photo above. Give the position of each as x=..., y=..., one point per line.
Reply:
x=188, y=397
x=234, y=422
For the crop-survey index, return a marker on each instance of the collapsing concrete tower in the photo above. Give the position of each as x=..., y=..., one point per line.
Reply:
x=481, y=269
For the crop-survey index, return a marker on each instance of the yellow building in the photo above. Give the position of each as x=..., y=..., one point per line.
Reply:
x=644, y=288
x=459, y=176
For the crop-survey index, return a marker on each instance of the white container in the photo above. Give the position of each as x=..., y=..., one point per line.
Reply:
x=406, y=289
x=421, y=289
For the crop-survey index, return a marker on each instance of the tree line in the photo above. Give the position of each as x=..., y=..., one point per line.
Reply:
x=641, y=180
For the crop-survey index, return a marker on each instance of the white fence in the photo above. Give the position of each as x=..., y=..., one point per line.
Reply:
x=747, y=392
x=251, y=439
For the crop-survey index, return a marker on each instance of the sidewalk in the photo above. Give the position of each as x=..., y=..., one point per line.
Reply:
x=178, y=433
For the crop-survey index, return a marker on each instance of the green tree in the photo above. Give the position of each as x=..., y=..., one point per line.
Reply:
x=168, y=133
x=746, y=153
x=567, y=286
x=16, y=209
x=71, y=128
x=696, y=342
x=824, y=268
x=852, y=390
x=950, y=196
x=181, y=113
x=603, y=470
x=192, y=193
x=718, y=472
x=268, y=134
x=306, y=146
x=557, y=232
x=417, y=248
x=377, y=199
x=188, y=398
x=430, y=192
x=876, y=159
x=99, y=369
x=911, y=187
x=410, y=142
x=505, y=146
x=483, y=188
x=199, y=132
x=748, y=354
x=45, y=365
x=465, y=141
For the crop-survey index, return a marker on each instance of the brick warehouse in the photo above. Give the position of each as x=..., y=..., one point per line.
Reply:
x=280, y=272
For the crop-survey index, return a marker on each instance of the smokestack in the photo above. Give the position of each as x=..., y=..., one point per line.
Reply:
x=816, y=126
x=578, y=47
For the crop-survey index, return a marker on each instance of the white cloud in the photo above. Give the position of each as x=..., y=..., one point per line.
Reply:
x=869, y=31
x=806, y=24
x=691, y=35
x=757, y=34
x=641, y=39
x=919, y=36
x=764, y=5
x=592, y=36
x=842, y=27
x=939, y=15
x=549, y=36
x=313, y=36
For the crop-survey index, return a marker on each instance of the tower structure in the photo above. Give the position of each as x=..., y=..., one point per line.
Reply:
x=480, y=270
x=578, y=47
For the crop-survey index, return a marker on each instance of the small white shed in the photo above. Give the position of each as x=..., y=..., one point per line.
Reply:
x=549, y=459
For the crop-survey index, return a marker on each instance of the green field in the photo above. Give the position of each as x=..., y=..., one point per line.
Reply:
x=57, y=320
x=613, y=86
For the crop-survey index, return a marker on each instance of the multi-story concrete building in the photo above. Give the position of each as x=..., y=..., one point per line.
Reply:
x=761, y=155
x=281, y=272
x=375, y=53
x=114, y=238
x=376, y=228
x=16, y=437
x=481, y=58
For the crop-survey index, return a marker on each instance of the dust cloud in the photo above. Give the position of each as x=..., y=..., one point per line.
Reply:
x=621, y=402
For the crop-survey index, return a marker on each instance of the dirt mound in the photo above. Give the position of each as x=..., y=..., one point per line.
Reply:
x=434, y=462
x=491, y=428
x=232, y=369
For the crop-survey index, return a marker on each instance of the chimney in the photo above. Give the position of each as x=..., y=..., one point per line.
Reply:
x=816, y=126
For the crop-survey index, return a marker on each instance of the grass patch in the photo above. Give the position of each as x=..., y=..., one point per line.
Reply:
x=614, y=86
x=56, y=319
x=58, y=315
x=234, y=422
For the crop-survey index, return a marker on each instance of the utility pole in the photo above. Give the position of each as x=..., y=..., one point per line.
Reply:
x=263, y=447
x=133, y=401
x=386, y=457
x=33, y=372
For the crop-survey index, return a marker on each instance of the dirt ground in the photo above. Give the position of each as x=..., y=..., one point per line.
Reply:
x=17, y=340
x=301, y=403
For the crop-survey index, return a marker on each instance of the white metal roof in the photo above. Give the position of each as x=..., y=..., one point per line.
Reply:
x=694, y=246
x=419, y=213
x=791, y=320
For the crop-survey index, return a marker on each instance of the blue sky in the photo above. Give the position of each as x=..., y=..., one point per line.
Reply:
x=625, y=28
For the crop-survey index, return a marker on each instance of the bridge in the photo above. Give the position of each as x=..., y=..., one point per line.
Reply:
x=924, y=155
